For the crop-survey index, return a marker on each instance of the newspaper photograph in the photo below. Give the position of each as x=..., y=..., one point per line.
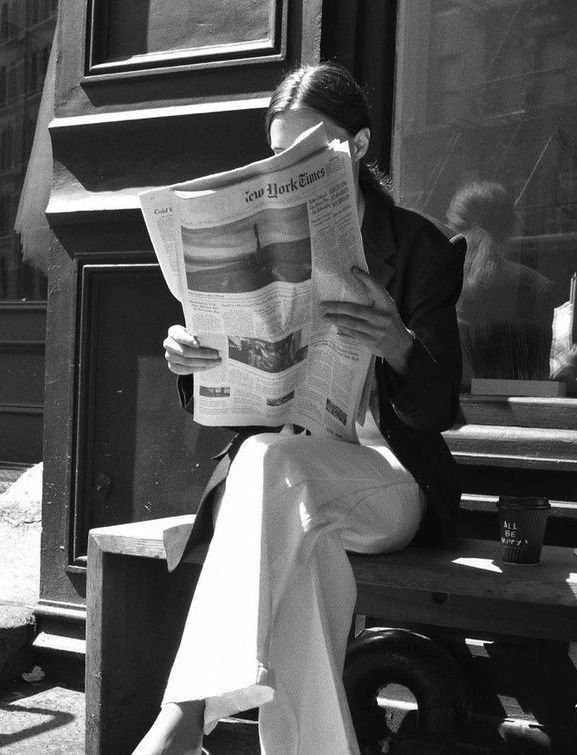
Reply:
x=250, y=254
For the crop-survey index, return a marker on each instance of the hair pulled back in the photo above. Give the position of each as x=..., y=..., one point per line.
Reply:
x=330, y=89
x=484, y=212
x=485, y=204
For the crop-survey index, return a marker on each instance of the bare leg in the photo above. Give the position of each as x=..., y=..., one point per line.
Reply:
x=176, y=731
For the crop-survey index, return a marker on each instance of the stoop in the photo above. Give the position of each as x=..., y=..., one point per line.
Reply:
x=16, y=631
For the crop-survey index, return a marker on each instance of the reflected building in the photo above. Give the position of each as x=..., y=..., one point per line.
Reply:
x=26, y=32
x=496, y=97
x=487, y=91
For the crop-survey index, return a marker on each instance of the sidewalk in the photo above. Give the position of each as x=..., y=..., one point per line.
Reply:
x=35, y=717
x=20, y=523
x=20, y=515
x=42, y=718
x=49, y=719
x=45, y=716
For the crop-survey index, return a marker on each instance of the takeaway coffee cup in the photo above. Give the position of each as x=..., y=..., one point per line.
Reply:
x=522, y=523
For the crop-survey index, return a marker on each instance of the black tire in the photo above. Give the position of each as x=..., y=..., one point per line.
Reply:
x=398, y=656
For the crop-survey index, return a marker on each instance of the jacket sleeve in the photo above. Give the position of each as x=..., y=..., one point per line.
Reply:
x=427, y=397
x=185, y=389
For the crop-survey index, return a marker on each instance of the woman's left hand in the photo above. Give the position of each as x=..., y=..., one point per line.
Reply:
x=378, y=326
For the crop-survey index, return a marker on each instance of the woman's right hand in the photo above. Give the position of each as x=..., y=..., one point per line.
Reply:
x=185, y=355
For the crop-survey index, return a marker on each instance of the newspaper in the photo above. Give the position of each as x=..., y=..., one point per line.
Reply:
x=563, y=345
x=250, y=254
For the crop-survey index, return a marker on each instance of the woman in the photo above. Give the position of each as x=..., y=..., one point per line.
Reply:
x=506, y=308
x=293, y=504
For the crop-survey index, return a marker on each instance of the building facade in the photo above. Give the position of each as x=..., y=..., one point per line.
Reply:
x=463, y=93
x=26, y=32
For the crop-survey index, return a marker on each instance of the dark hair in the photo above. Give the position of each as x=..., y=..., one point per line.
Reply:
x=485, y=204
x=484, y=212
x=331, y=89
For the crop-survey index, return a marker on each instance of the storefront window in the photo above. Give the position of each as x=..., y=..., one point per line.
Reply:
x=486, y=142
x=26, y=32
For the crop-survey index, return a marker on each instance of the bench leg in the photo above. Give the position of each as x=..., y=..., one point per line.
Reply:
x=135, y=615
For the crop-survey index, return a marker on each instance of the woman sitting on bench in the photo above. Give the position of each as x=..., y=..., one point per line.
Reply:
x=271, y=613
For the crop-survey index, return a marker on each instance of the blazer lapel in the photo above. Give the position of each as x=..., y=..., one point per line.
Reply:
x=388, y=272
x=378, y=239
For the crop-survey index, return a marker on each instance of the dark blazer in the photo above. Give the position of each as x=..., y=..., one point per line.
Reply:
x=422, y=270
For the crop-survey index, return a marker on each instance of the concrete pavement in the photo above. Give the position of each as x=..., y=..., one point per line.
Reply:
x=42, y=718
x=20, y=526
x=48, y=719
x=46, y=716
x=35, y=717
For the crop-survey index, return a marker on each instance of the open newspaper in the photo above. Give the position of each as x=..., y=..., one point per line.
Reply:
x=250, y=254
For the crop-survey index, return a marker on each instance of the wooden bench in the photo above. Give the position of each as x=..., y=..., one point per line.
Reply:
x=136, y=610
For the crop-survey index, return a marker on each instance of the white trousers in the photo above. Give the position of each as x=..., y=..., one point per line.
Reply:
x=270, y=616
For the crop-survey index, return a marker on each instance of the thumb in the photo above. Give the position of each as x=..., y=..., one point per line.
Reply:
x=181, y=334
x=374, y=289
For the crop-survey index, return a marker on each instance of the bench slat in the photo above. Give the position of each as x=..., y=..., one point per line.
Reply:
x=138, y=538
x=429, y=586
x=480, y=617
x=551, y=582
x=480, y=572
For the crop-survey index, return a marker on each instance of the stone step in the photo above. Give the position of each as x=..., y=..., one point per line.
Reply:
x=9, y=475
x=16, y=632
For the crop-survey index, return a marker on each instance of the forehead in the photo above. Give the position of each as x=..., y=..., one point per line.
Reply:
x=286, y=127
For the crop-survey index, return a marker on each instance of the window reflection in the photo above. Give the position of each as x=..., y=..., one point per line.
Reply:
x=485, y=140
x=506, y=308
x=26, y=32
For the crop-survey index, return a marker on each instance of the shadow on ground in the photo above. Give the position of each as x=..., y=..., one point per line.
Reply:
x=42, y=718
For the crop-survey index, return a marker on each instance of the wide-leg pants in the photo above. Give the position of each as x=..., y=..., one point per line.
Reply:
x=270, y=616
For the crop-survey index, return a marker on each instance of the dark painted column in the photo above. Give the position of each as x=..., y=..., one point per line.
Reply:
x=147, y=94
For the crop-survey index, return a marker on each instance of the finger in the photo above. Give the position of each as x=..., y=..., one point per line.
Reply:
x=190, y=361
x=346, y=321
x=180, y=333
x=361, y=338
x=193, y=361
x=179, y=345
x=362, y=311
x=377, y=322
x=349, y=332
x=360, y=330
x=179, y=369
x=175, y=347
x=186, y=353
x=374, y=288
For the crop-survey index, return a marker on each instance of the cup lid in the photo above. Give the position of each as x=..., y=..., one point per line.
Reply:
x=523, y=502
